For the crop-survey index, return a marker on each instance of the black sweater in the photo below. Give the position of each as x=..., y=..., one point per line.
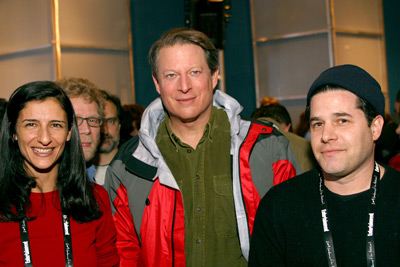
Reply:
x=288, y=228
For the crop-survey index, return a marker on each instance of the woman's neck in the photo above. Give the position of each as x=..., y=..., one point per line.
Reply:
x=45, y=181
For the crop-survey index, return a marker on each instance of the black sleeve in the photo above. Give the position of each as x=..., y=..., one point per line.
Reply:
x=266, y=245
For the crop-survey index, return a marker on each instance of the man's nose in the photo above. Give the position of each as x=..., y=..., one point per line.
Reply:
x=104, y=127
x=184, y=83
x=84, y=128
x=328, y=133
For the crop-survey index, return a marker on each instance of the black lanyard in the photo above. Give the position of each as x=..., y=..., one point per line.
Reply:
x=370, y=246
x=26, y=250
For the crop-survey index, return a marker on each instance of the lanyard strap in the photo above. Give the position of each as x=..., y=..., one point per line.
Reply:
x=67, y=241
x=26, y=250
x=370, y=245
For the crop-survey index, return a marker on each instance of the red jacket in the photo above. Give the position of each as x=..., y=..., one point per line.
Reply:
x=147, y=205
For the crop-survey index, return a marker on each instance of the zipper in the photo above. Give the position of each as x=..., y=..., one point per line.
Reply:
x=172, y=232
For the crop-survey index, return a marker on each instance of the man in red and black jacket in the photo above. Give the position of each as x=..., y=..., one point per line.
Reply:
x=185, y=190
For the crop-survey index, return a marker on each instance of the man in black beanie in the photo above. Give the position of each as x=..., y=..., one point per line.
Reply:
x=345, y=213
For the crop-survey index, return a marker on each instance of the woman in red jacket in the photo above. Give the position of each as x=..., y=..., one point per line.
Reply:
x=50, y=214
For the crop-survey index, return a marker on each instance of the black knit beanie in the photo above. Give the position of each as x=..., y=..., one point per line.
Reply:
x=355, y=80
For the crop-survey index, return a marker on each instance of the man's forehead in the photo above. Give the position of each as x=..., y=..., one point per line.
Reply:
x=109, y=103
x=80, y=103
x=166, y=50
x=333, y=94
x=333, y=102
x=81, y=99
x=110, y=107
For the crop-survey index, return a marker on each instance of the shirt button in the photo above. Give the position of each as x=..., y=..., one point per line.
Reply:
x=197, y=176
x=198, y=241
x=198, y=208
x=189, y=151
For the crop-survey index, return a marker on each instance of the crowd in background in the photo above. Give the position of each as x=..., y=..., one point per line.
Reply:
x=188, y=181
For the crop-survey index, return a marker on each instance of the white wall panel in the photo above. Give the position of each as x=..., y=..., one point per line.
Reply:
x=288, y=67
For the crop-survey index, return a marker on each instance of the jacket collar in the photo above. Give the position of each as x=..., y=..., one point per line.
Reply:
x=148, y=151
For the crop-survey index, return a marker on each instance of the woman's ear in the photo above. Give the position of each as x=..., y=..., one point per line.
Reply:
x=69, y=134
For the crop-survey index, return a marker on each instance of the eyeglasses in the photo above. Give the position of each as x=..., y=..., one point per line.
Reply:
x=110, y=121
x=92, y=121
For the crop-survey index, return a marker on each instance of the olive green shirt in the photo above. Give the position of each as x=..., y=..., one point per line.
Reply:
x=204, y=178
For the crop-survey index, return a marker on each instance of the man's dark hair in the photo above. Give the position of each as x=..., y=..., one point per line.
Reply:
x=276, y=112
x=184, y=36
x=116, y=101
x=369, y=111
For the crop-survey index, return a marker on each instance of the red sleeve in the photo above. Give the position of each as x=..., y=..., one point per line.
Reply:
x=283, y=170
x=106, y=235
x=127, y=241
x=395, y=162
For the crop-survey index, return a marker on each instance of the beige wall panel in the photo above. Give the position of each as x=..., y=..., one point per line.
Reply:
x=94, y=22
x=17, y=70
x=24, y=24
x=361, y=15
x=109, y=71
x=364, y=52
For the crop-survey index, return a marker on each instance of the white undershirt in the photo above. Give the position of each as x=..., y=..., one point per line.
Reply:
x=100, y=175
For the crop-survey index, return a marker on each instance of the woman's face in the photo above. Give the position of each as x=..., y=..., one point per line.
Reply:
x=41, y=133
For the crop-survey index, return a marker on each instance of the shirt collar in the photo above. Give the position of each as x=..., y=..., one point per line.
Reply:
x=207, y=134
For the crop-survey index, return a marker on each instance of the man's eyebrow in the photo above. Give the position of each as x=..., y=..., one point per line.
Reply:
x=315, y=119
x=341, y=114
x=336, y=115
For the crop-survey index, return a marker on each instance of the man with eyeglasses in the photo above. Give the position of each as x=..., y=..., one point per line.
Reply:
x=88, y=102
x=109, y=136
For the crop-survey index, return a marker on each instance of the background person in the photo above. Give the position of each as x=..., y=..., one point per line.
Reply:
x=88, y=103
x=130, y=122
x=388, y=145
x=268, y=100
x=346, y=212
x=395, y=116
x=303, y=127
x=109, y=136
x=186, y=189
x=279, y=117
x=48, y=207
